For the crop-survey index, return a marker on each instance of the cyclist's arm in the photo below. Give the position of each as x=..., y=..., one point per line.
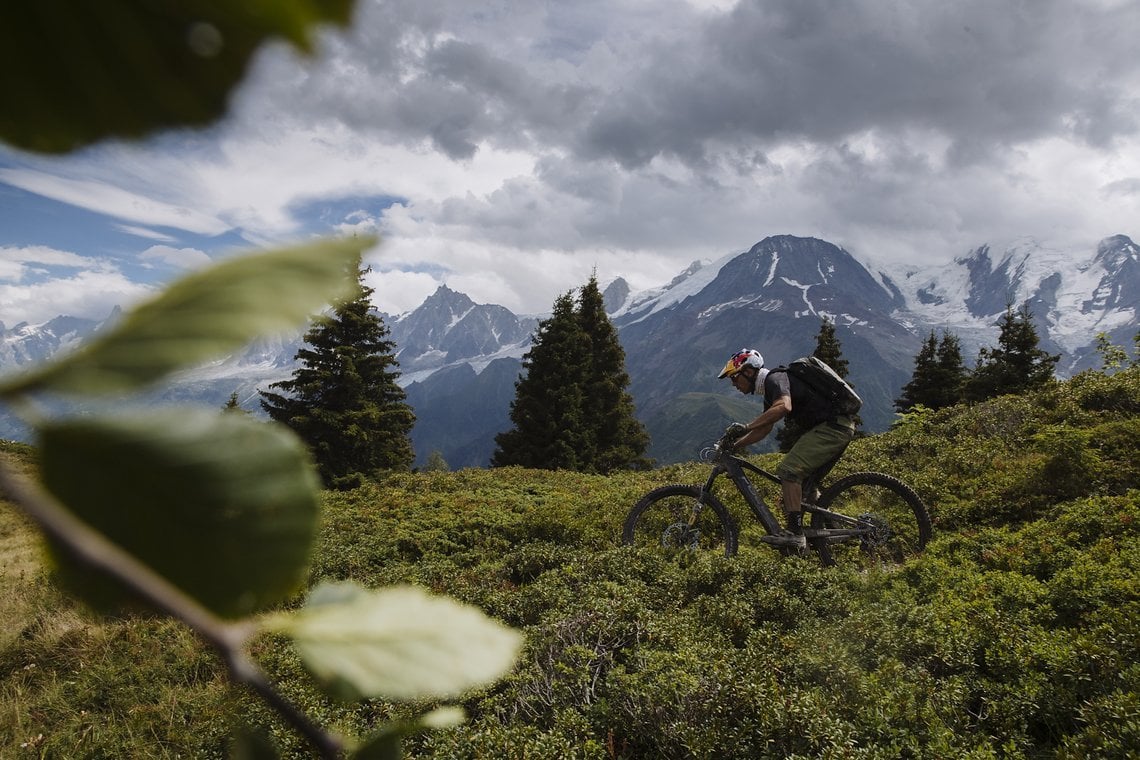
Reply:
x=762, y=425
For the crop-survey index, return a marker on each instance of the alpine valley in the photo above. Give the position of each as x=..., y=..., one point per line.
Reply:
x=459, y=360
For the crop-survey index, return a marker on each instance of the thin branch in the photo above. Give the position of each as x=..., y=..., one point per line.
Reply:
x=92, y=549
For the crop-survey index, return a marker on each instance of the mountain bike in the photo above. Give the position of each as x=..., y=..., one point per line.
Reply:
x=865, y=515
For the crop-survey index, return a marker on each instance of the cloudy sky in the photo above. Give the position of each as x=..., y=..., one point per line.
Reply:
x=508, y=148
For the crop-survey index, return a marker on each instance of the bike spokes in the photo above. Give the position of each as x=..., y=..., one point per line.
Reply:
x=885, y=520
x=680, y=519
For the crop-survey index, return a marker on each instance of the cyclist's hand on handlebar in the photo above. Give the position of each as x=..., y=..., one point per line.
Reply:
x=734, y=431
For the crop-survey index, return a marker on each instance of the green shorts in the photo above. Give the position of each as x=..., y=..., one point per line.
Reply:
x=815, y=448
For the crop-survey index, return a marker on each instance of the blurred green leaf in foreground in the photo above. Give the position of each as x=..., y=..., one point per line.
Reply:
x=76, y=71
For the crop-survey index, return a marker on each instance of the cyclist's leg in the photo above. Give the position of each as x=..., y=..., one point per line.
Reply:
x=815, y=453
x=813, y=482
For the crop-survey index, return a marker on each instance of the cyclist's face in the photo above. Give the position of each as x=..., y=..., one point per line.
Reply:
x=745, y=380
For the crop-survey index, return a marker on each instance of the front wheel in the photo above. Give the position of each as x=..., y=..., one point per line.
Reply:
x=893, y=522
x=680, y=518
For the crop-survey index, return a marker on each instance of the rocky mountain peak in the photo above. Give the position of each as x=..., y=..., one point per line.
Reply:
x=27, y=344
x=1119, y=286
x=1116, y=251
x=449, y=327
x=806, y=275
x=992, y=286
x=444, y=298
x=615, y=295
x=686, y=273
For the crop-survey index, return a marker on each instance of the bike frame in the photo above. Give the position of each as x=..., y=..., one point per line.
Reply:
x=734, y=467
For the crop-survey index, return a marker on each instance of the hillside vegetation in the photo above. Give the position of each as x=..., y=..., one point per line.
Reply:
x=1016, y=635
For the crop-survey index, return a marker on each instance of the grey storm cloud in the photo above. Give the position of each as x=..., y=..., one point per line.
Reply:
x=528, y=141
x=977, y=72
x=820, y=70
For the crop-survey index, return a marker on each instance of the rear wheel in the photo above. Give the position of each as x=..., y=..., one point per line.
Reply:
x=680, y=518
x=895, y=521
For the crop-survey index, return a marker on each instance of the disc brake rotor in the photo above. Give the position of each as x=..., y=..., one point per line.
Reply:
x=681, y=535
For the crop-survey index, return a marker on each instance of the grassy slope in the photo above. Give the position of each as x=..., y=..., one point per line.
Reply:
x=21, y=552
x=1016, y=635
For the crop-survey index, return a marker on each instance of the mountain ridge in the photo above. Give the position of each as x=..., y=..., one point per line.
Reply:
x=771, y=296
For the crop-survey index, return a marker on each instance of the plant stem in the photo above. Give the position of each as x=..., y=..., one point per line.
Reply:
x=92, y=549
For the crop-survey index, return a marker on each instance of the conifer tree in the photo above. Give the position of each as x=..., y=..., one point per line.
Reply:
x=922, y=381
x=828, y=349
x=951, y=372
x=436, y=462
x=571, y=409
x=1016, y=365
x=619, y=440
x=548, y=411
x=232, y=404
x=938, y=375
x=343, y=400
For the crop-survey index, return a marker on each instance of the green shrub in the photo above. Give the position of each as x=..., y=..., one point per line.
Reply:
x=1016, y=634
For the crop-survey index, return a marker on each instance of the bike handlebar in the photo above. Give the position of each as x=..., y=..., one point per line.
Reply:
x=723, y=447
x=716, y=451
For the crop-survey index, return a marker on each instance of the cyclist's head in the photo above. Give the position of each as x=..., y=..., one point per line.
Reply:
x=746, y=364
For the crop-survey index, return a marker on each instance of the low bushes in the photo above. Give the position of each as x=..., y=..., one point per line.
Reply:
x=1015, y=635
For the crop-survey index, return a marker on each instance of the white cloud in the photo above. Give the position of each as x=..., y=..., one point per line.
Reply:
x=719, y=6
x=39, y=254
x=106, y=198
x=143, y=232
x=527, y=143
x=11, y=270
x=179, y=258
x=90, y=294
x=396, y=291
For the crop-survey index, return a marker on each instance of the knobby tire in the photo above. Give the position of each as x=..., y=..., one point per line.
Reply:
x=661, y=519
x=894, y=504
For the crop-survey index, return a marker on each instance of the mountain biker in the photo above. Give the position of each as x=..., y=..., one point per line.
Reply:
x=826, y=437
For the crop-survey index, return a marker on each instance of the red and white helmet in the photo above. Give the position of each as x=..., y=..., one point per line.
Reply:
x=745, y=357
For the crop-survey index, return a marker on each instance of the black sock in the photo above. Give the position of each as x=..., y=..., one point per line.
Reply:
x=796, y=522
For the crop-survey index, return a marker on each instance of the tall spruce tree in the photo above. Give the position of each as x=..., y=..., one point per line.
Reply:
x=571, y=409
x=922, y=381
x=548, y=411
x=343, y=400
x=1016, y=365
x=939, y=375
x=619, y=440
x=829, y=350
x=952, y=372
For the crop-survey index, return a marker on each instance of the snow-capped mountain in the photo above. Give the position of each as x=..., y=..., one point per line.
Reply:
x=772, y=298
x=450, y=329
x=459, y=360
x=27, y=344
x=1073, y=295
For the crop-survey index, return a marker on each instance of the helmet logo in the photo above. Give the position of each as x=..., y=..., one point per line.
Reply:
x=745, y=357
